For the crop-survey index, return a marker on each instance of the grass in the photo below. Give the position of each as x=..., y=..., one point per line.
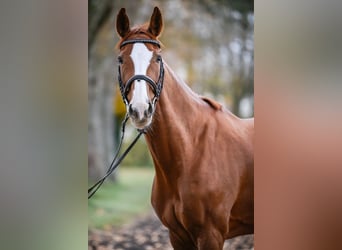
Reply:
x=117, y=203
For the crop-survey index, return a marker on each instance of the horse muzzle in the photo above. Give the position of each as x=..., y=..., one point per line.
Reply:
x=141, y=114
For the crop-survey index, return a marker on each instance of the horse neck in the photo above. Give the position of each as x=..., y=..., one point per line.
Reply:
x=176, y=112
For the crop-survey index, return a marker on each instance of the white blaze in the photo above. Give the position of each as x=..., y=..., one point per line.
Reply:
x=141, y=58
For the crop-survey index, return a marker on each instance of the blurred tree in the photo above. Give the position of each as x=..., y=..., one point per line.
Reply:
x=230, y=38
x=98, y=13
x=100, y=144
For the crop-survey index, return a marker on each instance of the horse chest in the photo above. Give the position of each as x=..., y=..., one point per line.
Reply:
x=180, y=207
x=171, y=213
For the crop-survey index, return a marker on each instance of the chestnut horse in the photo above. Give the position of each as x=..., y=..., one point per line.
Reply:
x=202, y=153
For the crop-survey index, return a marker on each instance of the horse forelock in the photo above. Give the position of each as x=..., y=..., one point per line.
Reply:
x=137, y=32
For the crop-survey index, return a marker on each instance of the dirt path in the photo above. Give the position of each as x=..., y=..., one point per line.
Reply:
x=148, y=234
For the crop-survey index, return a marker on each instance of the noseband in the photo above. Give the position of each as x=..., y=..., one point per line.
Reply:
x=156, y=86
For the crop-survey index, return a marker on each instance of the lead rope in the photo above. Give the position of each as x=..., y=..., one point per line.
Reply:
x=115, y=163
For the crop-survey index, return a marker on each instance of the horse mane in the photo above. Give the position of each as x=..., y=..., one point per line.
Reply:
x=212, y=103
x=139, y=30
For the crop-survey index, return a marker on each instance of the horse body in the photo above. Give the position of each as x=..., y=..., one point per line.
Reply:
x=203, y=154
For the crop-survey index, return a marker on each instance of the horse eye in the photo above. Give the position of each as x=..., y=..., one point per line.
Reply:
x=158, y=58
x=120, y=60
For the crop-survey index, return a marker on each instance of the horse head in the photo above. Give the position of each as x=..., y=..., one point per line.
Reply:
x=141, y=71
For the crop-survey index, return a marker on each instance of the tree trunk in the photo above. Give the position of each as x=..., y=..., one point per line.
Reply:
x=100, y=118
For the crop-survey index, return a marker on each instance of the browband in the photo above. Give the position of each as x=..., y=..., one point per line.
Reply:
x=155, y=42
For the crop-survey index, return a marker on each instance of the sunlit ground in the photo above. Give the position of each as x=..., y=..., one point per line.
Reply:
x=118, y=203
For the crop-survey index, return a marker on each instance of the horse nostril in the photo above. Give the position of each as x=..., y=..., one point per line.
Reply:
x=133, y=112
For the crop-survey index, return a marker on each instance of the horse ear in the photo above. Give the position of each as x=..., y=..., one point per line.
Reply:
x=156, y=22
x=122, y=23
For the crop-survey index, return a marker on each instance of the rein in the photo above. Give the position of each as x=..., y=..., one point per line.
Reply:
x=115, y=163
x=124, y=88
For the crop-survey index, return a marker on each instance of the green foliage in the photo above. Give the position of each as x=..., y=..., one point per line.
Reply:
x=139, y=156
x=119, y=202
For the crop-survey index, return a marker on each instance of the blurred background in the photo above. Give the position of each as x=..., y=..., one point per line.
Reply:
x=43, y=147
x=208, y=43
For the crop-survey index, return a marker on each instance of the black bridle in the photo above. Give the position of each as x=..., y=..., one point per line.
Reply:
x=156, y=86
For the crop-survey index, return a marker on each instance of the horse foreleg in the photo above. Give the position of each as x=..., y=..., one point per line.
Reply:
x=180, y=244
x=212, y=240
